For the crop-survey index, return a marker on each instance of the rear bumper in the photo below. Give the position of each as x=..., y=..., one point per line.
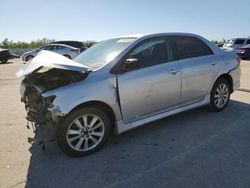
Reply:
x=235, y=74
x=236, y=86
x=244, y=56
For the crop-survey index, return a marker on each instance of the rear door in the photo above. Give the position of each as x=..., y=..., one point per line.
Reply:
x=155, y=86
x=199, y=67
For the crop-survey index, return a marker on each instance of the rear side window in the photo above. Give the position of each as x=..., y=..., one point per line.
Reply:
x=189, y=47
x=59, y=47
x=239, y=41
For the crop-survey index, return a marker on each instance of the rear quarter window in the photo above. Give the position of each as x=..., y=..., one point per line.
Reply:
x=189, y=47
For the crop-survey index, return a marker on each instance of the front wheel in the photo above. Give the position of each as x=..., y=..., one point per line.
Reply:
x=220, y=95
x=83, y=131
x=4, y=61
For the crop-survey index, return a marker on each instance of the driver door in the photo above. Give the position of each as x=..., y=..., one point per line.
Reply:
x=155, y=86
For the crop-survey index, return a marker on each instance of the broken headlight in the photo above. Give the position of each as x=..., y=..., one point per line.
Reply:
x=47, y=101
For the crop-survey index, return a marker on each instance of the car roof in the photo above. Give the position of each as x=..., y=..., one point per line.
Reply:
x=76, y=44
x=239, y=39
x=148, y=35
x=64, y=45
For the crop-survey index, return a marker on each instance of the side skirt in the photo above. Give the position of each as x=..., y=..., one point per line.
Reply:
x=123, y=127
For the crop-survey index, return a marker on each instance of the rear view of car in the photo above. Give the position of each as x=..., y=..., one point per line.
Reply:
x=236, y=43
x=244, y=52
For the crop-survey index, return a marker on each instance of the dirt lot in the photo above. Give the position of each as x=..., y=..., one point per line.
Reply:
x=192, y=149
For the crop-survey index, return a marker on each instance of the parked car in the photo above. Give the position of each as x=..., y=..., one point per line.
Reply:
x=236, y=43
x=65, y=50
x=75, y=44
x=244, y=52
x=220, y=45
x=122, y=83
x=6, y=55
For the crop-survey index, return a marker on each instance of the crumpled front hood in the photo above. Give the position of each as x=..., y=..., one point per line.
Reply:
x=50, y=60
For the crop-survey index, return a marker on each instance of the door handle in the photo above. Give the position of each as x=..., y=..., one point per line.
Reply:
x=173, y=71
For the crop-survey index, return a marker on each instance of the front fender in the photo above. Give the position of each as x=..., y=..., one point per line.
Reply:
x=71, y=96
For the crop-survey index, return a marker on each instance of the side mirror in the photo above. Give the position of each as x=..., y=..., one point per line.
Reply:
x=131, y=64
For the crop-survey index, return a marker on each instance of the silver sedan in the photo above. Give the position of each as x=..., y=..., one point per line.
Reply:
x=65, y=50
x=122, y=83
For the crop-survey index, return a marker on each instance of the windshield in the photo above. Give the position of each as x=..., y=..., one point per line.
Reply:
x=103, y=52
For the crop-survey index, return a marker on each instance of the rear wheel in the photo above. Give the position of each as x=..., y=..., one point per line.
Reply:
x=83, y=131
x=220, y=95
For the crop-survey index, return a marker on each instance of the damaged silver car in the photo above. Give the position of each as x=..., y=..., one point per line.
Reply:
x=122, y=83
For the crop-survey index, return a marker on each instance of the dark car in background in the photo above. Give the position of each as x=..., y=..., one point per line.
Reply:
x=6, y=55
x=244, y=52
x=236, y=43
x=75, y=44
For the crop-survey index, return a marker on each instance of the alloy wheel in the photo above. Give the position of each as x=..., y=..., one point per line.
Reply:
x=85, y=132
x=221, y=95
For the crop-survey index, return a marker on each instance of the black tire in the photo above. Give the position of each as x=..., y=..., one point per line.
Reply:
x=4, y=61
x=29, y=57
x=68, y=56
x=64, y=124
x=213, y=106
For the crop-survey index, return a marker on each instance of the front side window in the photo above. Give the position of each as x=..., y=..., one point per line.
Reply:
x=152, y=52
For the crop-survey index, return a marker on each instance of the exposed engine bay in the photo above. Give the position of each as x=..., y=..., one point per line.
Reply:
x=37, y=107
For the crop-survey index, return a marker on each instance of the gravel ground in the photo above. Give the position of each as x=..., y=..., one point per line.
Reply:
x=192, y=149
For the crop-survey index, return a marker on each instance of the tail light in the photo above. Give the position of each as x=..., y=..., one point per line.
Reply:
x=243, y=50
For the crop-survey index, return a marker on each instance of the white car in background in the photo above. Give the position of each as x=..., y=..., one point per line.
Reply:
x=236, y=43
x=65, y=50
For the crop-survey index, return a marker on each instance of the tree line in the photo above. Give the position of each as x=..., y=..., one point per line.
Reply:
x=10, y=44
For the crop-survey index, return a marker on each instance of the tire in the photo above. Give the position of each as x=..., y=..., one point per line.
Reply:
x=68, y=56
x=77, y=137
x=29, y=57
x=4, y=61
x=221, y=85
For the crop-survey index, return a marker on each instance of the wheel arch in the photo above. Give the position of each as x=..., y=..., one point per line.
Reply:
x=26, y=58
x=101, y=105
x=228, y=78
